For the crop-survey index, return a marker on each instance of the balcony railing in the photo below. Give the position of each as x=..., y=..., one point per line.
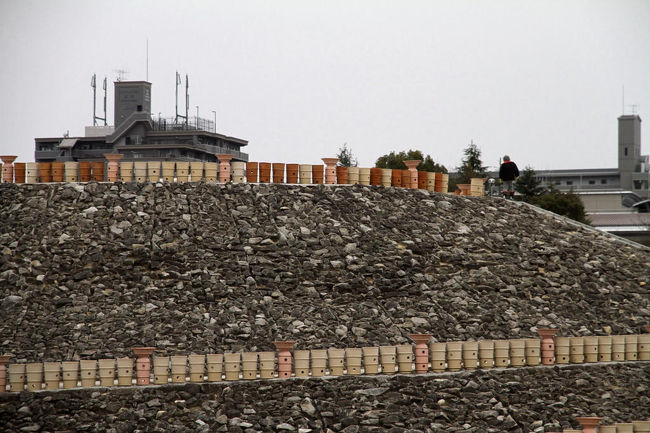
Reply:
x=193, y=124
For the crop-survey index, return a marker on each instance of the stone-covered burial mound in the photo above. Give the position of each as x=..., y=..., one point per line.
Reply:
x=90, y=270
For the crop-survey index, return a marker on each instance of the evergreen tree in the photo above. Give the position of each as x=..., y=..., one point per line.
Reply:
x=471, y=165
x=566, y=204
x=529, y=186
x=396, y=161
x=346, y=159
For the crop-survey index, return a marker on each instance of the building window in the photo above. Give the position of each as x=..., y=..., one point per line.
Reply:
x=603, y=181
x=625, y=151
x=592, y=182
x=557, y=182
x=569, y=182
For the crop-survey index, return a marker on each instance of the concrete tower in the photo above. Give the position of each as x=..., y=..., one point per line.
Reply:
x=131, y=97
x=629, y=148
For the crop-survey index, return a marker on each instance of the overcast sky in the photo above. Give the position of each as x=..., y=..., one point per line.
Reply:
x=539, y=80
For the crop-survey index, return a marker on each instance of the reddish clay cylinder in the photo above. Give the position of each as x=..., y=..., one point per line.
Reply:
x=8, y=168
x=396, y=178
x=58, y=169
x=330, y=170
x=84, y=171
x=421, y=352
x=317, y=174
x=3, y=371
x=19, y=172
x=412, y=164
x=375, y=176
x=224, y=166
x=45, y=171
x=98, y=171
x=646, y=328
x=341, y=175
x=406, y=179
x=265, y=172
x=143, y=364
x=548, y=345
x=113, y=165
x=588, y=423
x=251, y=172
x=422, y=179
x=292, y=173
x=284, y=358
x=278, y=172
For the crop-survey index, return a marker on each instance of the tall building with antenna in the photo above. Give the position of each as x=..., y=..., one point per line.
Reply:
x=140, y=136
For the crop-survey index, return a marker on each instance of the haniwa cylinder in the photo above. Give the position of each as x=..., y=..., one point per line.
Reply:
x=644, y=347
x=501, y=353
x=431, y=181
x=341, y=175
x=71, y=171
x=85, y=171
x=58, y=169
x=238, y=171
x=438, y=355
x=168, y=169
x=106, y=372
x=533, y=351
x=388, y=359
x=124, y=371
x=577, y=346
x=182, y=171
x=353, y=360
x=52, y=374
x=70, y=374
x=20, y=169
x=454, y=355
x=252, y=169
x=641, y=426
x=624, y=427
x=34, y=376
x=126, y=171
x=196, y=171
x=179, y=368
x=88, y=372
x=211, y=170
x=31, y=175
x=214, y=362
x=301, y=363
x=318, y=362
x=161, y=370
x=562, y=350
x=233, y=365
x=249, y=365
x=422, y=179
x=370, y=360
x=591, y=349
x=353, y=175
x=605, y=348
x=45, y=171
x=336, y=361
x=292, y=173
x=364, y=176
x=406, y=178
x=606, y=429
x=486, y=353
x=517, y=353
x=267, y=365
x=153, y=171
x=318, y=173
x=405, y=358
x=305, y=173
x=470, y=354
x=375, y=176
x=16, y=373
x=278, y=172
x=396, y=178
x=265, y=172
x=618, y=347
x=386, y=176
x=197, y=367
x=98, y=171
x=140, y=171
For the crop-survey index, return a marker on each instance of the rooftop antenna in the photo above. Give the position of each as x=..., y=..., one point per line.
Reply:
x=147, y=59
x=187, y=98
x=178, y=82
x=623, y=102
x=633, y=107
x=121, y=74
x=93, y=84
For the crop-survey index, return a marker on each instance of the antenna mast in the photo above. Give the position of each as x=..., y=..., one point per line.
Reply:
x=187, y=98
x=147, y=59
x=93, y=84
x=178, y=82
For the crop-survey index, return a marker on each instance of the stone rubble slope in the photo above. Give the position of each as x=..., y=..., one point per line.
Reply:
x=90, y=270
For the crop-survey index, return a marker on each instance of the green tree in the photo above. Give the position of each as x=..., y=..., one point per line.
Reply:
x=346, y=159
x=528, y=185
x=471, y=165
x=396, y=161
x=567, y=204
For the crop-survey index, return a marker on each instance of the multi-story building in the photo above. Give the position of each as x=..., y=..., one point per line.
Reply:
x=139, y=136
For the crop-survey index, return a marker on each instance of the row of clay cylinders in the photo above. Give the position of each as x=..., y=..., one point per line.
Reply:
x=485, y=354
x=590, y=425
x=169, y=171
x=68, y=171
x=576, y=350
x=213, y=367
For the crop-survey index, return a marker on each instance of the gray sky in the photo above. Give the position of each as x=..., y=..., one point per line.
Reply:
x=539, y=80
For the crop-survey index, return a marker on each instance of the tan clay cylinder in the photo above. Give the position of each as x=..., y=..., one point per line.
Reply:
x=644, y=347
x=52, y=374
x=182, y=171
x=624, y=427
x=31, y=172
x=405, y=358
x=318, y=362
x=501, y=353
x=88, y=372
x=124, y=371
x=106, y=372
x=168, y=170
x=196, y=171
x=71, y=171
x=431, y=181
x=305, y=173
x=267, y=365
x=301, y=363
x=486, y=353
x=454, y=355
x=641, y=426
x=70, y=374
x=161, y=370
x=533, y=351
x=370, y=360
x=353, y=175
x=438, y=353
x=353, y=360
x=211, y=170
x=17, y=376
x=238, y=171
x=197, y=367
x=562, y=350
x=153, y=171
x=470, y=354
x=618, y=347
x=233, y=365
x=388, y=357
x=631, y=348
x=126, y=171
x=179, y=365
x=591, y=349
x=336, y=361
x=364, y=176
x=140, y=171
x=214, y=362
x=606, y=429
x=386, y=176
x=249, y=365
x=605, y=348
x=34, y=372
x=517, y=352
x=577, y=345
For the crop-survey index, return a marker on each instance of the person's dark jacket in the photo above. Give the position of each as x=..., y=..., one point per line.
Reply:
x=508, y=171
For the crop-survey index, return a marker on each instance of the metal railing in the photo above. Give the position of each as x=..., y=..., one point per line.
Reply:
x=193, y=124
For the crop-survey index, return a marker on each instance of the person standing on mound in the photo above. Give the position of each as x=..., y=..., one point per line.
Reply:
x=508, y=173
